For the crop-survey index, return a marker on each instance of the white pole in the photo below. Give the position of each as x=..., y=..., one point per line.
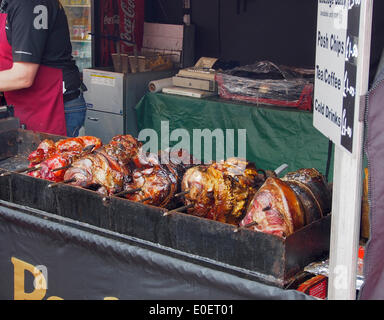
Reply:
x=347, y=184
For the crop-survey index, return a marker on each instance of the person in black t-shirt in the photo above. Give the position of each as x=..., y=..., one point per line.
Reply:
x=40, y=49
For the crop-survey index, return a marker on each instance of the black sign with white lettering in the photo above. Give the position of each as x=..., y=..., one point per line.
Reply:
x=349, y=95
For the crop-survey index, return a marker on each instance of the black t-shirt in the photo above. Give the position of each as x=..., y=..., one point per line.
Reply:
x=38, y=32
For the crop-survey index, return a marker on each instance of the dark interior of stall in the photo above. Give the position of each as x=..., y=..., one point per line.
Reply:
x=245, y=31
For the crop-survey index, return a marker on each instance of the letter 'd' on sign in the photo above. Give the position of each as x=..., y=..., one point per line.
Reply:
x=40, y=283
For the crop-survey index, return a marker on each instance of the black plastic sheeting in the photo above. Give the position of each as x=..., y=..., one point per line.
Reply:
x=86, y=262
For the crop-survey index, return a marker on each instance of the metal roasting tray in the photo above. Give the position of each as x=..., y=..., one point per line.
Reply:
x=253, y=255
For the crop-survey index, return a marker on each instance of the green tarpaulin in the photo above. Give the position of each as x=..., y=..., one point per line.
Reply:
x=274, y=135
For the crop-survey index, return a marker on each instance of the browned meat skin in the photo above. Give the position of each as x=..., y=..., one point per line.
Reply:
x=123, y=148
x=44, y=150
x=55, y=155
x=156, y=185
x=221, y=191
x=311, y=205
x=95, y=170
x=276, y=209
x=177, y=162
x=179, y=158
x=158, y=182
x=315, y=184
x=245, y=180
x=122, y=165
x=202, y=187
x=48, y=148
x=91, y=140
x=71, y=144
x=107, y=167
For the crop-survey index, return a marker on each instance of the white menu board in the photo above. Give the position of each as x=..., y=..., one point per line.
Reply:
x=336, y=67
x=332, y=22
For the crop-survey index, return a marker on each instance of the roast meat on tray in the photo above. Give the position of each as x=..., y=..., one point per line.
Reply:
x=106, y=168
x=157, y=177
x=122, y=168
x=231, y=191
x=221, y=191
x=50, y=159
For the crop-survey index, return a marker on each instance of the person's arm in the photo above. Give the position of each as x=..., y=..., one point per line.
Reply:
x=20, y=76
x=27, y=40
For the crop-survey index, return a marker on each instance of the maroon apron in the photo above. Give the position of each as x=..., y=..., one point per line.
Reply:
x=41, y=106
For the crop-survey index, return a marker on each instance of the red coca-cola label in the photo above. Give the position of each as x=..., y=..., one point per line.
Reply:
x=131, y=14
x=123, y=19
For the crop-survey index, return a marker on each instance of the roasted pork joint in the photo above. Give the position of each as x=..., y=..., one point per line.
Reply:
x=275, y=209
x=44, y=150
x=157, y=177
x=123, y=148
x=51, y=159
x=203, y=184
x=105, y=169
x=53, y=168
x=95, y=171
x=221, y=191
x=283, y=206
x=155, y=186
x=47, y=148
x=312, y=187
x=245, y=179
